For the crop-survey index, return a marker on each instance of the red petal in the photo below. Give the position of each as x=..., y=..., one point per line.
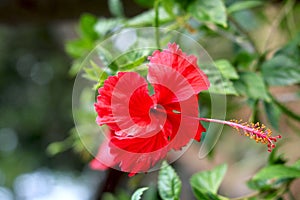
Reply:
x=186, y=126
x=104, y=158
x=103, y=104
x=124, y=104
x=137, y=154
x=177, y=71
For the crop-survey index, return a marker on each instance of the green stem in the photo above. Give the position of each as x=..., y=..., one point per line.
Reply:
x=156, y=22
x=291, y=24
x=246, y=196
x=254, y=114
x=284, y=109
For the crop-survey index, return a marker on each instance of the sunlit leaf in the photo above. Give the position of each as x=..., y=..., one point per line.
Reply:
x=213, y=11
x=146, y=18
x=218, y=84
x=116, y=8
x=273, y=176
x=252, y=86
x=277, y=171
x=79, y=48
x=168, y=5
x=58, y=147
x=86, y=24
x=133, y=64
x=95, y=73
x=296, y=165
x=242, y=5
x=206, y=184
x=137, y=195
x=169, y=184
x=106, y=26
x=226, y=69
x=75, y=67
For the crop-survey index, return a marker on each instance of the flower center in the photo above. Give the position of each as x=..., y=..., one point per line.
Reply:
x=157, y=109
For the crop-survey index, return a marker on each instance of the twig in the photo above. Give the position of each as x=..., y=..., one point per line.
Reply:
x=244, y=32
x=156, y=22
x=246, y=196
x=286, y=9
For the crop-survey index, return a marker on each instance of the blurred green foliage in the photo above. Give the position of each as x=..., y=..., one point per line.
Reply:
x=33, y=104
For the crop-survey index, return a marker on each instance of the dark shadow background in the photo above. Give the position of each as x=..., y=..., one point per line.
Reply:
x=35, y=98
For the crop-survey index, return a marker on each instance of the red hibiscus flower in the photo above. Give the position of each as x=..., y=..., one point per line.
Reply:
x=144, y=127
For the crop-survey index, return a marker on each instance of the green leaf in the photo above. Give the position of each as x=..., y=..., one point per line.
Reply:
x=226, y=69
x=86, y=24
x=205, y=184
x=137, y=195
x=277, y=172
x=273, y=177
x=243, y=60
x=169, y=184
x=205, y=195
x=168, y=5
x=106, y=26
x=79, y=48
x=209, y=180
x=58, y=147
x=108, y=196
x=116, y=8
x=252, y=86
x=273, y=114
x=94, y=72
x=281, y=70
x=151, y=193
x=296, y=165
x=122, y=194
x=213, y=11
x=133, y=64
x=147, y=18
x=242, y=5
x=275, y=159
x=284, y=67
x=75, y=67
x=218, y=83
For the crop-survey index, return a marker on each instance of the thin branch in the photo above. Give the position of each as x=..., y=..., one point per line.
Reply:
x=284, y=109
x=156, y=22
x=244, y=32
x=246, y=196
x=283, y=13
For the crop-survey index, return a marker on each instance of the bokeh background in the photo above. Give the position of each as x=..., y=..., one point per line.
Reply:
x=36, y=104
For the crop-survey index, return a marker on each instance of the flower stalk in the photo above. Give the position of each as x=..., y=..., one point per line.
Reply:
x=256, y=131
